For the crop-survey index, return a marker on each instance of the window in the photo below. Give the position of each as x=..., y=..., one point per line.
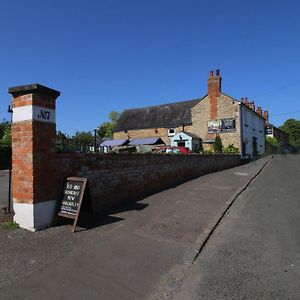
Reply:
x=221, y=125
x=171, y=132
x=246, y=122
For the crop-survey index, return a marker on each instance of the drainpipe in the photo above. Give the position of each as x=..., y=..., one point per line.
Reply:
x=241, y=130
x=10, y=166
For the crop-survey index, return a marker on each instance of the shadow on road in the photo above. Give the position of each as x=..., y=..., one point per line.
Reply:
x=88, y=221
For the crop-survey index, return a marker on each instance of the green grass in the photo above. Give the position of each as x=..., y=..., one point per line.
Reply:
x=10, y=225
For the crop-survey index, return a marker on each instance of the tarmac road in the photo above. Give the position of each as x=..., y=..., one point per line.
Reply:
x=255, y=251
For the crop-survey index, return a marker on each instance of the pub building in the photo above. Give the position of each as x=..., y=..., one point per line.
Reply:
x=237, y=122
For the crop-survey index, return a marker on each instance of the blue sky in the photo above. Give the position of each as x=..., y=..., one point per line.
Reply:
x=112, y=55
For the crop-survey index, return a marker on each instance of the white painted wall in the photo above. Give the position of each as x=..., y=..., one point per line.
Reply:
x=32, y=112
x=181, y=137
x=252, y=126
x=35, y=216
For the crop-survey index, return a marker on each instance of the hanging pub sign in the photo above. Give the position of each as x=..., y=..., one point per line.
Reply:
x=269, y=130
x=71, y=199
x=221, y=125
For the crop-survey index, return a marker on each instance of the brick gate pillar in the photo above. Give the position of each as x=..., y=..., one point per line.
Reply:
x=33, y=154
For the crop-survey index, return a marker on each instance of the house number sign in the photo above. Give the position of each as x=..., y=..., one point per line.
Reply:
x=33, y=112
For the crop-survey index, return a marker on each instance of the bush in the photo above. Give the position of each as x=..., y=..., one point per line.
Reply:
x=272, y=141
x=231, y=150
x=218, y=146
x=208, y=152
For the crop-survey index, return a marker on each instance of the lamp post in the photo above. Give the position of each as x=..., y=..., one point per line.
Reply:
x=9, y=110
x=95, y=139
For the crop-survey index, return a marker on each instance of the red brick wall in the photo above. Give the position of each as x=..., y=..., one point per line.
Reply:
x=114, y=178
x=33, y=149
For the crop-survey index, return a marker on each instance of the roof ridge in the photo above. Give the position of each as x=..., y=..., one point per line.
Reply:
x=165, y=104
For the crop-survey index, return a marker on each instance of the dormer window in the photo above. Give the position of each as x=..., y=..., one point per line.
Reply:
x=171, y=132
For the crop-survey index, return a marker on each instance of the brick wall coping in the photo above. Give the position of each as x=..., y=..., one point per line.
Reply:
x=74, y=154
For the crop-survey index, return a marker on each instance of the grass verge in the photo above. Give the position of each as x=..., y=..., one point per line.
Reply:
x=10, y=225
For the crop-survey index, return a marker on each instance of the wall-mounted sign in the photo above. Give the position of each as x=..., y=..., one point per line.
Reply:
x=33, y=112
x=269, y=130
x=221, y=125
x=71, y=200
x=214, y=126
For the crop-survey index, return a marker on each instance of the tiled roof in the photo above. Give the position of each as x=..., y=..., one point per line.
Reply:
x=114, y=143
x=147, y=141
x=166, y=115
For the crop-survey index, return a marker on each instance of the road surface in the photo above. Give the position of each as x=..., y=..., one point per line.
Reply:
x=255, y=251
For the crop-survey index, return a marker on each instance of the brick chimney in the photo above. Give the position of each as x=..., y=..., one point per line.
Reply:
x=245, y=101
x=266, y=116
x=214, y=91
x=252, y=105
x=259, y=110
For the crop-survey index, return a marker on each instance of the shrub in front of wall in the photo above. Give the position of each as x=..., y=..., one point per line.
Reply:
x=208, y=152
x=217, y=145
x=231, y=150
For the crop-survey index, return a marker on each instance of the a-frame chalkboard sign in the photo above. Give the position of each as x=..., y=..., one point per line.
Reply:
x=71, y=199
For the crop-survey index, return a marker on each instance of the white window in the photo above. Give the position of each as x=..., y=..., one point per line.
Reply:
x=171, y=132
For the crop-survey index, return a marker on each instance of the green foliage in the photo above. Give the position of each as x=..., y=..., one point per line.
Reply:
x=208, y=152
x=272, y=141
x=292, y=127
x=10, y=225
x=231, y=150
x=218, y=146
x=114, y=116
x=5, y=134
x=105, y=130
x=83, y=137
x=79, y=142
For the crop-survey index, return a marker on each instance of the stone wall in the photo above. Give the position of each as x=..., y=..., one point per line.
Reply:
x=227, y=108
x=149, y=132
x=114, y=178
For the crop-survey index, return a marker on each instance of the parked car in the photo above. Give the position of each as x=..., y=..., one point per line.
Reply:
x=177, y=150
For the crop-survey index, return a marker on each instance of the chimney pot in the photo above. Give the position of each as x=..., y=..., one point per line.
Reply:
x=259, y=110
x=252, y=105
x=217, y=72
x=211, y=73
x=266, y=116
x=245, y=101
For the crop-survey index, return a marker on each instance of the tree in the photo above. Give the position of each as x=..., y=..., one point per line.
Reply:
x=292, y=127
x=218, y=146
x=5, y=134
x=83, y=137
x=105, y=130
x=272, y=141
x=61, y=139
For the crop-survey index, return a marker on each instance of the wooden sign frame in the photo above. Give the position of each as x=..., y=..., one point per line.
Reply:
x=82, y=190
